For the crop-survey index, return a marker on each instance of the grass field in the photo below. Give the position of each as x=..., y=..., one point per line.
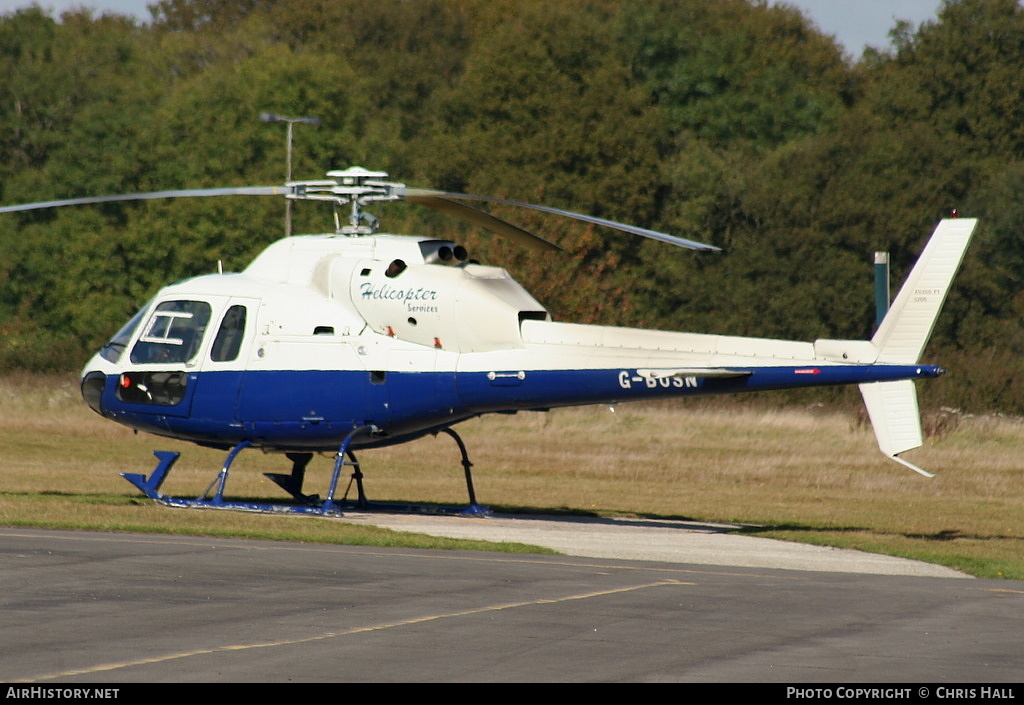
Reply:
x=809, y=474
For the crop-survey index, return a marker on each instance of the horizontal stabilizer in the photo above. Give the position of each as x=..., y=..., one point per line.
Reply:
x=892, y=407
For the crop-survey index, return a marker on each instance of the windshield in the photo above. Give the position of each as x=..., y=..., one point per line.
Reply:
x=113, y=350
x=173, y=332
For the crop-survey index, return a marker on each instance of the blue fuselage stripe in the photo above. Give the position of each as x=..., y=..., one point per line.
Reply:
x=317, y=408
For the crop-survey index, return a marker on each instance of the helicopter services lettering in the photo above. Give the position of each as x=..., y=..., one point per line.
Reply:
x=388, y=293
x=354, y=339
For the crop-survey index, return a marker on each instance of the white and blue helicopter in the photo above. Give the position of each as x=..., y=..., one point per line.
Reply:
x=358, y=339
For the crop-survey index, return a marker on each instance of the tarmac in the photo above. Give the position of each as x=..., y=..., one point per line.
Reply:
x=126, y=609
x=661, y=540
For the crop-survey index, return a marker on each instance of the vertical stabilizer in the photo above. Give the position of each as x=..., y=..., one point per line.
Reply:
x=903, y=334
x=908, y=325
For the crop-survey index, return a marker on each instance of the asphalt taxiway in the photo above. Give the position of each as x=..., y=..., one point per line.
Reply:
x=122, y=608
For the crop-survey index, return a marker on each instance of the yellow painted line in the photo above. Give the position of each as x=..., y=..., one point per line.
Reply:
x=347, y=632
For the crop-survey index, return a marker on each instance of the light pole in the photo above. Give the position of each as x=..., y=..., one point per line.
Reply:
x=270, y=117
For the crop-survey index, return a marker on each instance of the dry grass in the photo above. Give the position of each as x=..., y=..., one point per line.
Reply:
x=804, y=474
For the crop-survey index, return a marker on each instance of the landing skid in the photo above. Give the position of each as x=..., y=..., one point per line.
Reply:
x=292, y=484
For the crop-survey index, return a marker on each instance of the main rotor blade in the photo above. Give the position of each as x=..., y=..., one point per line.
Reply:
x=643, y=232
x=187, y=193
x=438, y=201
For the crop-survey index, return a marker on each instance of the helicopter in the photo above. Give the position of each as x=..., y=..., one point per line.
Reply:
x=355, y=339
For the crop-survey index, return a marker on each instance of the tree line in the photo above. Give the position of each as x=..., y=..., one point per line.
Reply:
x=736, y=123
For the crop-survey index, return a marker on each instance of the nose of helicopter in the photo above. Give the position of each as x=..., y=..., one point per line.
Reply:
x=92, y=385
x=93, y=380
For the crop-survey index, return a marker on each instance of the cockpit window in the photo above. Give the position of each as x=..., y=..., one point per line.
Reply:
x=113, y=350
x=229, y=337
x=173, y=333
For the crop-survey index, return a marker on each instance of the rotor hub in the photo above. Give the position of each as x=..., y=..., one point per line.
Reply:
x=355, y=187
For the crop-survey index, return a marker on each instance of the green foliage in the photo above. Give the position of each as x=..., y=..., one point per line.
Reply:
x=734, y=122
x=733, y=72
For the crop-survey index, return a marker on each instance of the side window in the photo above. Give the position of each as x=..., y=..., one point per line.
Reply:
x=229, y=337
x=173, y=333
